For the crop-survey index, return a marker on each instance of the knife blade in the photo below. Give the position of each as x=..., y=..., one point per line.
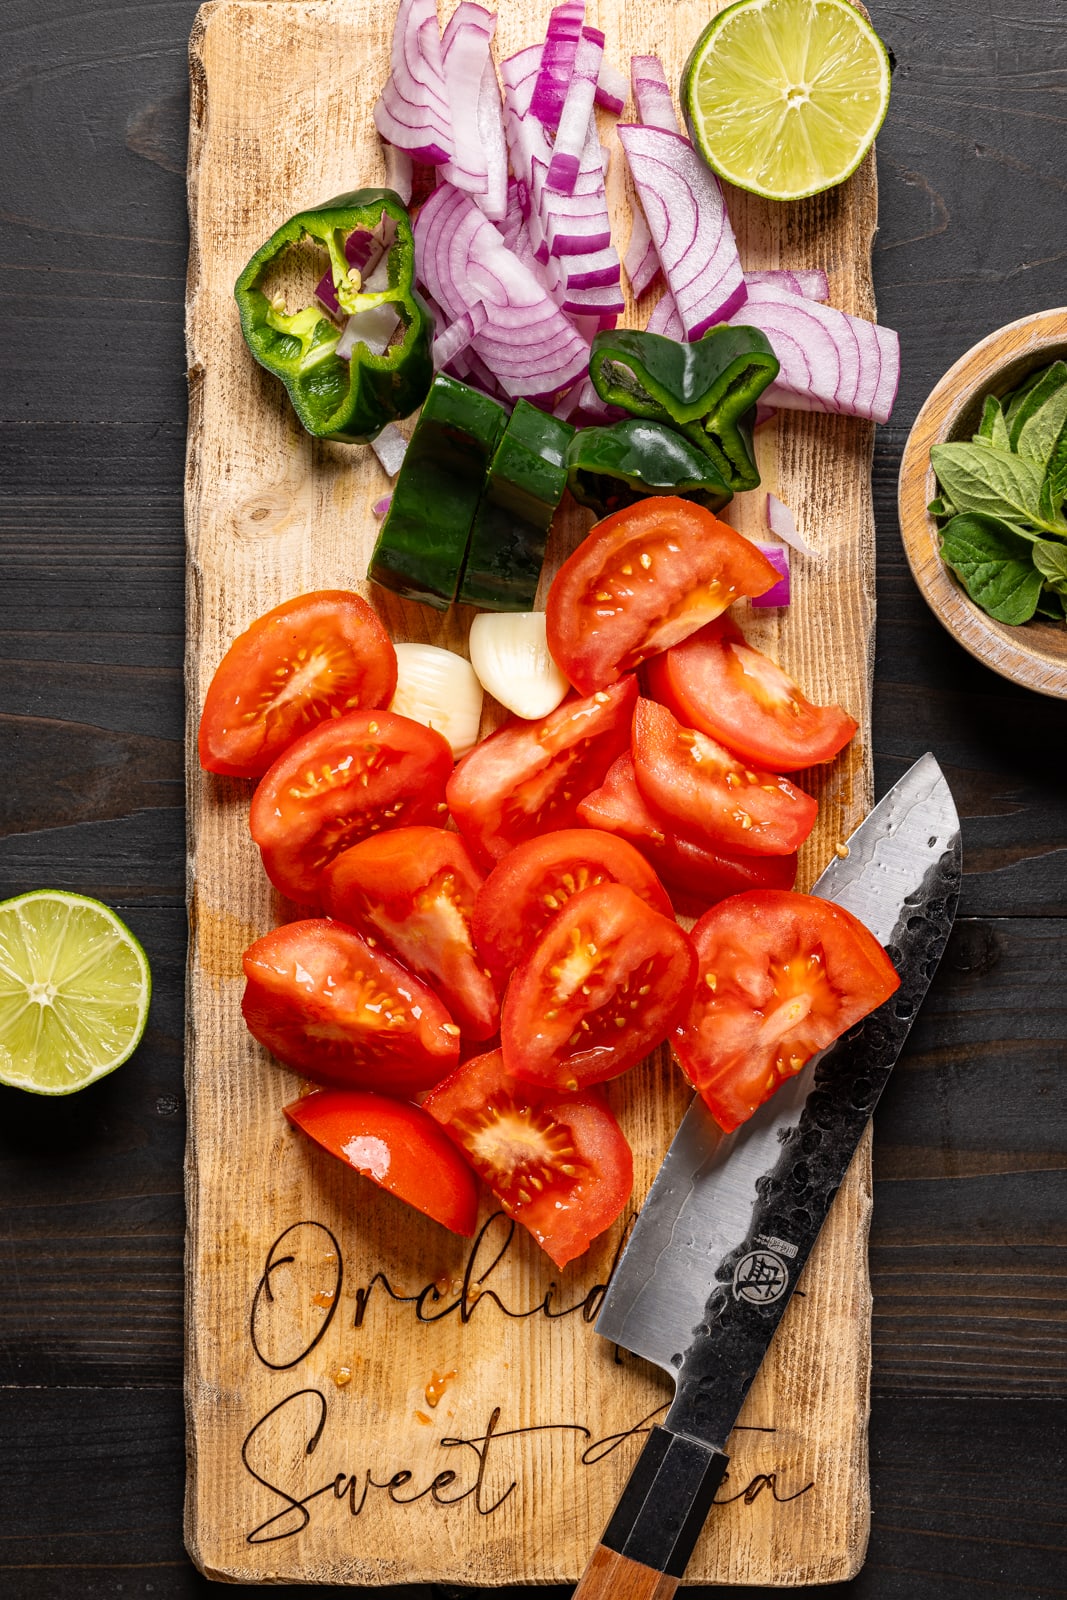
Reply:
x=730, y=1220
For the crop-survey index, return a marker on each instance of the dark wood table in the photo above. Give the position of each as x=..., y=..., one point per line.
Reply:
x=967, y=1249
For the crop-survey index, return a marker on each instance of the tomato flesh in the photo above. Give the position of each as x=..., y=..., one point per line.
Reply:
x=717, y=682
x=559, y=1164
x=602, y=987
x=317, y=656
x=528, y=777
x=397, y=1146
x=339, y=783
x=695, y=874
x=782, y=976
x=711, y=794
x=643, y=579
x=415, y=888
x=326, y=1003
x=535, y=880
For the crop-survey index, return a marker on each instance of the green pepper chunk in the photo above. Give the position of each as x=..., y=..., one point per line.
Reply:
x=350, y=400
x=525, y=485
x=707, y=390
x=423, y=539
x=612, y=467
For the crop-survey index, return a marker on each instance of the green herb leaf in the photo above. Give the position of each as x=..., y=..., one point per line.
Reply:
x=993, y=564
x=1050, y=559
x=990, y=482
x=1042, y=415
x=941, y=507
x=993, y=426
x=1015, y=399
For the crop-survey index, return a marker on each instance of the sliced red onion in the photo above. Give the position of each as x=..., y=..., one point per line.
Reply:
x=577, y=111
x=664, y=318
x=465, y=55
x=829, y=361
x=528, y=345
x=575, y=223
x=686, y=215
x=557, y=62
x=595, y=269
x=412, y=110
x=399, y=171
x=612, y=89
x=380, y=507
x=782, y=524
x=652, y=94
x=778, y=593
x=390, y=447
x=491, y=133
x=450, y=341
x=810, y=282
x=641, y=261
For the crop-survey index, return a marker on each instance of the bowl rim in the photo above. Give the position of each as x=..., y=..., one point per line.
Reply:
x=1018, y=652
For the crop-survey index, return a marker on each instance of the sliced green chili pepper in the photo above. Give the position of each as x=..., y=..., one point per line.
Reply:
x=707, y=390
x=526, y=481
x=336, y=398
x=423, y=539
x=608, y=468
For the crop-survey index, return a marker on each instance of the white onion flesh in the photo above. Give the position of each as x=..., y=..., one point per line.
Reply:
x=652, y=94
x=441, y=690
x=783, y=525
x=509, y=653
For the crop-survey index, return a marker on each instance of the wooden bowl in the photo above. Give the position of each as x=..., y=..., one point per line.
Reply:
x=1033, y=653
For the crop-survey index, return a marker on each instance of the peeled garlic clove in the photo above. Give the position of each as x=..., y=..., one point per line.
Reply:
x=510, y=654
x=439, y=689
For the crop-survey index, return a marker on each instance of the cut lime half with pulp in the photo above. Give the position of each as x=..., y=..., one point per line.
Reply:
x=74, y=991
x=784, y=97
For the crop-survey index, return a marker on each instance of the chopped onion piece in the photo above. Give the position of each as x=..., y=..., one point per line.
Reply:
x=652, y=94
x=778, y=594
x=380, y=507
x=528, y=344
x=612, y=88
x=829, y=361
x=465, y=54
x=412, y=110
x=454, y=339
x=641, y=261
x=577, y=110
x=373, y=328
x=812, y=282
x=664, y=318
x=686, y=215
x=557, y=61
x=509, y=653
x=390, y=447
x=491, y=132
x=439, y=689
x=782, y=524
x=399, y=171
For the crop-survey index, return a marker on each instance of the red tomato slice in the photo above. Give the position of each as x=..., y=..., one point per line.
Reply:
x=525, y=890
x=712, y=795
x=781, y=976
x=395, y=1145
x=317, y=656
x=642, y=580
x=696, y=875
x=327, y=1004
x=603, y=986
x=528, y=777
x=559, y=1164
x=338, y=784
x=414, y=888
x=717, y=682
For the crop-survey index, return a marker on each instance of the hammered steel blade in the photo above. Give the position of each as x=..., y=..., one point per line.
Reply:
x=730, y=1219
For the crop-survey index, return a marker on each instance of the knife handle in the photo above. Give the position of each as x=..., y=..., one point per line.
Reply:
x=646, y=1546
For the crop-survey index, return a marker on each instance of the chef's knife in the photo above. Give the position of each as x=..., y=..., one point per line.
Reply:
x=730, y=1220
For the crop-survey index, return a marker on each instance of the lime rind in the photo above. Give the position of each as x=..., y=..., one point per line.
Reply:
x=75, y=987
x=784, y=98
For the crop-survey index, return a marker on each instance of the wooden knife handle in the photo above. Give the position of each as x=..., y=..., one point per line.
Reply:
x=650, y=1537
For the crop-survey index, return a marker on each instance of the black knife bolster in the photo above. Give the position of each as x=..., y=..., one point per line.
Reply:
x=666, y=1501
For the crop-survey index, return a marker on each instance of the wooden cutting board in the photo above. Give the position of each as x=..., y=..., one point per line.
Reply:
x=372, y=1400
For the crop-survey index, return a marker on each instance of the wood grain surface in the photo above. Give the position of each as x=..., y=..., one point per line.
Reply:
x=969, y=1222
x=279, y=112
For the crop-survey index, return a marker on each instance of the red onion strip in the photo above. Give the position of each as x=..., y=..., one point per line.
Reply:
x=612, y=89
x=454, y=339
x=652, y=94
x=641, y=261
x=399, y=171
x=810, y=282
x=557, y=62
x=465, y=54
x=782, y=524
x=778, y=593
x=664, y=318
x=687, y=218
x=412, y=110
x=577, y=110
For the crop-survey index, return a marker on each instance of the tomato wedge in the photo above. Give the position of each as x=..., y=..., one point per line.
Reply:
x=605, y=984
x=528, y=777
x=559, y=1164
x=642, y=580
x=711, y=794
x=339, y=783
x=327, y=1004
x=717, y=682
x=414, y=888
x=696, y=875
x=525, y=890
x=781, y=976
x=319, y=655
x=395, y=1145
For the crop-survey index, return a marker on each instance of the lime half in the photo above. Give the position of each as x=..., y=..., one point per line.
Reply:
x=784, y=97
x=74, y=991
